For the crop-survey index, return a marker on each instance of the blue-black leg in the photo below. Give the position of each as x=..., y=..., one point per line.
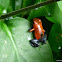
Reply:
x=40, y=40
x=44, y=41
x=44, y=38
x=34, y=43
x=41, y=34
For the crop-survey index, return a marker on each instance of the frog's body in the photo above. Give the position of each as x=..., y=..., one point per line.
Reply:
x=38, y=29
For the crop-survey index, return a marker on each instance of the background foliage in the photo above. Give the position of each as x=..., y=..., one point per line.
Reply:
x=15, y=37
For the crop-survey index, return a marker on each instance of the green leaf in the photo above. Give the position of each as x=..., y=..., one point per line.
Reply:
x=60, y=5
x=11, y=6
x=37, y=12
x=28, y=3
x=9, y=9
x=55, y=10
x=18, y=4
x=12, y=3
x=3, y=5
x=52, y=19
x=55, y=38
x=15, y=46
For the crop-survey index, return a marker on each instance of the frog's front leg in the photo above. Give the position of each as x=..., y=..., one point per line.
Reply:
x=31, y=30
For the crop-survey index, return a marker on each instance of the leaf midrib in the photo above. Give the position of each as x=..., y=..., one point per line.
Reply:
x=11, y=38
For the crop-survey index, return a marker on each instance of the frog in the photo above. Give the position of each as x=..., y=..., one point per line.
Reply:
x=39, y=33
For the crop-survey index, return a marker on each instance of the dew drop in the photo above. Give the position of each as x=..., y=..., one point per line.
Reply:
x=36, y=8
x=40, y=6
x=59, y=47
x=6, y=18
x=29, y=38
x=5, y=42
x=4, y=11
x=10, y=17
x=48, y=13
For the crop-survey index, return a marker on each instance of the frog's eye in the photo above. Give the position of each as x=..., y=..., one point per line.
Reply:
x=38, y=21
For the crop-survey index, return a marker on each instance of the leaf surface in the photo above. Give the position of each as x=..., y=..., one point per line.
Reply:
x=55, y=37
x=3, y=6
x=55, y=10
x=15, y=46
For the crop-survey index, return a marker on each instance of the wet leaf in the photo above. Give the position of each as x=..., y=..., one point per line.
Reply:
x=14, y=43
x=37, y=12
x=55, y=10
x=28, y=3
x=18, y=4
x=51, y=19
x=3, y=5
x=55, y=38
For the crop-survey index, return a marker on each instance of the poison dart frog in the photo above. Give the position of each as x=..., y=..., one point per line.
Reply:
x=39, y=33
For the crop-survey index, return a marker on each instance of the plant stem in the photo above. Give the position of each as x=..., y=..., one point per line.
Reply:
x=26, y=9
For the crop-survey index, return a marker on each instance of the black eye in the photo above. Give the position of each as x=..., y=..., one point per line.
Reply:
x=38, y=22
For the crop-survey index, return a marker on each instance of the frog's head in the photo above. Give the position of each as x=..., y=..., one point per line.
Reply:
x=37, y=21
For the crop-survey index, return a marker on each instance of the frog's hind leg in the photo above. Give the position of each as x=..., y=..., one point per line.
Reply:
x=44, y=38
x=34, y=43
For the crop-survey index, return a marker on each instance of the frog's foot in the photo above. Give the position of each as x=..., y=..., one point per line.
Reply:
x=44, y=41
x=34, y=43
x=44, y=38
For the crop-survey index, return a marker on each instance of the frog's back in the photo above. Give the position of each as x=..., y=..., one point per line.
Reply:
x=38, y=28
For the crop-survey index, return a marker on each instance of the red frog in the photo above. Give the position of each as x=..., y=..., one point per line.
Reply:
x=38, y=31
